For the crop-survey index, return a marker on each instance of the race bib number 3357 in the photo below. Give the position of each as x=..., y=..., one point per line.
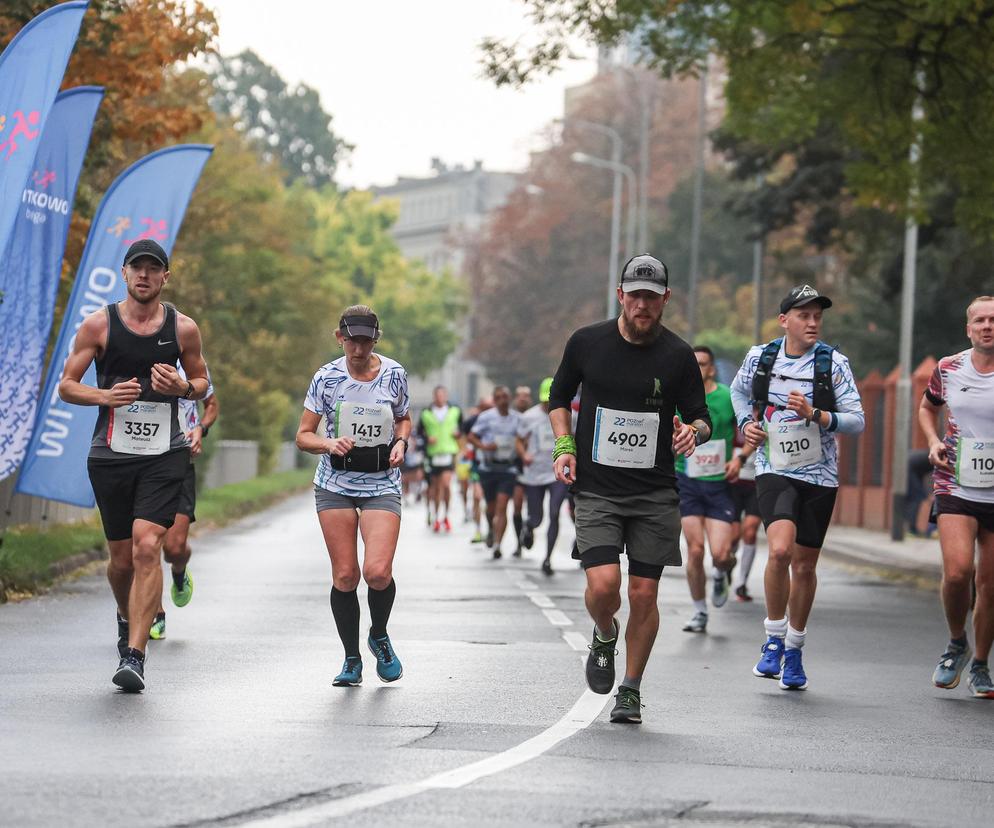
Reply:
x=626, y=439
x=140, y=428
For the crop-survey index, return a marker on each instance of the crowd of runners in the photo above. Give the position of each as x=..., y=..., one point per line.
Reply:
x=633, y=434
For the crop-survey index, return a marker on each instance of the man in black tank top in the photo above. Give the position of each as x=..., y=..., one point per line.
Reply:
x=139, y=454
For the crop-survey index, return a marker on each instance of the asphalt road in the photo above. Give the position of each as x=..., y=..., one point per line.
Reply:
x=491, y=723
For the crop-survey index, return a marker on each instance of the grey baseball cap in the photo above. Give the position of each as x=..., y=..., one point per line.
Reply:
x=645, y=272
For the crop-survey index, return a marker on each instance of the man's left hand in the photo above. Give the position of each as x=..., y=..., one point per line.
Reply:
x=684, y=438
x=166, y=380
x=196, y=438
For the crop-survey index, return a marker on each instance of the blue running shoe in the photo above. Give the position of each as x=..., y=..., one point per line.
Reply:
x=769, y=664
x=950, y=667
x=793, y=677
x=388, y=666
x=351, y=675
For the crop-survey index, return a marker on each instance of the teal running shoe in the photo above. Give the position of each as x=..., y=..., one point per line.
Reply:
x=388, y=666
x=979, y=682
x=181, y=597
x=950, y=666
x=351, y=675
x=158, y=630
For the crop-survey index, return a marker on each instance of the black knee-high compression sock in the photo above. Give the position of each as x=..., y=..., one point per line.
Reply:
x=345, y=608
x=380, y=604
x=518, y=524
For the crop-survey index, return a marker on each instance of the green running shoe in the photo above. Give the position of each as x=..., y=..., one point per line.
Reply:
x=181, y=597
x=158, y=631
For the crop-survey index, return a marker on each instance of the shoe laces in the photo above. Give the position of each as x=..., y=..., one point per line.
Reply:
x=981, y=675
x=629, y=697
x=385, y=650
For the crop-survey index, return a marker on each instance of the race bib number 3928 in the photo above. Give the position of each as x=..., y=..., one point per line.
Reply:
x=626, y=439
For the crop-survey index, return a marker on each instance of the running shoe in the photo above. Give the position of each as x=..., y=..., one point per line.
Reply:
x=527, y=536
x=769, y=665
x=547, y=566
x=719, y=589
x=446, y=525
x=697, y=624
x=388, y=666
x=742, y=594
x=181, y=596
x=351, y=675
x=122, y=636
x=600, y=662
x=497, y=553
x=517, y=552
x=437, y=527
x=793, y=677
x=950, y=666
x=130, y=675
x=979, y=682
x=627, y=706
x=490, y=536
x=158, y=630
x=478, y=537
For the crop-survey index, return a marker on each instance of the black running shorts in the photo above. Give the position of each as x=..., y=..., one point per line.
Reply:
x=188, y=494
x=983, y=513
x=143, y=488
x=806, y=505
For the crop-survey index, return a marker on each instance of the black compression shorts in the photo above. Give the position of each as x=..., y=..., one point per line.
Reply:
x=806, y=505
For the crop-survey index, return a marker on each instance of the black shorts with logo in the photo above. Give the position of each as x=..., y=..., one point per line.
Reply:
x=807, y=505
x=140, y=488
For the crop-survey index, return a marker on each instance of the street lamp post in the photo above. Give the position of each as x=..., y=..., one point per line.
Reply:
x=695, y=228
x=616, y=152
x=629, y=173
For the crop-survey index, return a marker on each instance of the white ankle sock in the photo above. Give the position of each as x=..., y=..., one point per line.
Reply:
x=701, y=606
x=776, y=628
x=795, y=638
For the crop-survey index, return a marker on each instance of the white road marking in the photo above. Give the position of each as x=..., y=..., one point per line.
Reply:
x=587, y=708
x=557, y=617
x=577, y=641
x=540, y=600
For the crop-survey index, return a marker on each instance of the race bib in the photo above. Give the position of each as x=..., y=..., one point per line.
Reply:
x=793, y=445
x=442, y=460
x=504, y=453
x=748, y=471
x=546, y=441
x=625, y=439
x=707, y=460
x=367, y=425
x=975, y=462
x=140, y=428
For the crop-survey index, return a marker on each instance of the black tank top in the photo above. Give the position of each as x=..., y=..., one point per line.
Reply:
x=130, y=355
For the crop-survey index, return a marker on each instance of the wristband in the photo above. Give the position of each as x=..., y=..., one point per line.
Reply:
x=189, y=390
x=564, y=445
x=203, y=430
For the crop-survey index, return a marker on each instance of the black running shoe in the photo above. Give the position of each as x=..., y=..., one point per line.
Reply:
x=130, y=675
x=497, y=553
x=122, y=636
x=527, y=536
x=517, y=552
x=547, y=566
x=600, y=662
x=627, y=706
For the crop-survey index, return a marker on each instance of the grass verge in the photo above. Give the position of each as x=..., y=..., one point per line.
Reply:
x=32, y=558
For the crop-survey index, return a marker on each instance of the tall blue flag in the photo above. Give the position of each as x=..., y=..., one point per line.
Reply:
x=29, y=274
x=31, y=70
x=147, y=201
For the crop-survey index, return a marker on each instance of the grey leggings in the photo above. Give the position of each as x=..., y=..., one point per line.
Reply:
x=558, y=492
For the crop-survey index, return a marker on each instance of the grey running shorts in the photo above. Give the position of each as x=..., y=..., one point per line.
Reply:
x=324, y=499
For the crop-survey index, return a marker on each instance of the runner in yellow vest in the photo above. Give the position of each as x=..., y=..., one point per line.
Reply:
x=441, y=425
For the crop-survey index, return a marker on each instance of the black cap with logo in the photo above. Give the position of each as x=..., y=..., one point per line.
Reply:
x=360, y=325
x=146, y=247
x=802, y=295
x=645, y=272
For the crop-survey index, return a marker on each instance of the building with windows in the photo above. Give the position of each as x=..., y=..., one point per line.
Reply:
x=437, y=213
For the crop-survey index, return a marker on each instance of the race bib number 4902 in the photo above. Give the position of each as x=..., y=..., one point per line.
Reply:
x=793, y=445
x=140, y=428
x=975, y=462
x=626, y=439
x=365, y=424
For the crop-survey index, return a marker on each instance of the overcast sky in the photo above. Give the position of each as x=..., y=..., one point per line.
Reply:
x=402, y=77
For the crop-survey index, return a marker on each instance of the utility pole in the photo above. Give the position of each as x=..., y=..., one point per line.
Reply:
x=757, y=276
x=695, y=228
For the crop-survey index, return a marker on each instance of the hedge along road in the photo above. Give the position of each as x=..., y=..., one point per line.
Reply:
x=491, y=723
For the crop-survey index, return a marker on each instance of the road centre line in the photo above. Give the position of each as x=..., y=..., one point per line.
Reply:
x=586, y=709
x=540, y=600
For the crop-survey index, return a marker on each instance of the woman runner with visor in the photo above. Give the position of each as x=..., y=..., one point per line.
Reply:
x=363, y=398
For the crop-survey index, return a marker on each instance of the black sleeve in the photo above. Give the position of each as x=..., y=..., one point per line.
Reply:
x=692, y=402
x=567, y=378
x=459, y=425
x=421, y=428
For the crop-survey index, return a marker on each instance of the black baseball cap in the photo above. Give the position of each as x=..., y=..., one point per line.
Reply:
x=645, y=272
x=146, y=247
x=802, y=295
x=360, y=325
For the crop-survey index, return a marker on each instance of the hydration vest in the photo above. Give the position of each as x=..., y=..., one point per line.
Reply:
x=824, y=391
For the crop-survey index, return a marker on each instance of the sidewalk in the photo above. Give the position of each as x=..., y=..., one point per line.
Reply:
x=914, y=559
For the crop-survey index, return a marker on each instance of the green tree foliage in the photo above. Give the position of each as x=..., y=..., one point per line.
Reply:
x=285, y=124
x=798, y=69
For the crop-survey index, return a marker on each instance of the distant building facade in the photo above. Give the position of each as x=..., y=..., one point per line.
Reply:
x=436, y=214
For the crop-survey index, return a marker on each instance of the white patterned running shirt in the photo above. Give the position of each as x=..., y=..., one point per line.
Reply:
x=536, y=430
x=187, y=412
x=790, y=373
x=332, y=385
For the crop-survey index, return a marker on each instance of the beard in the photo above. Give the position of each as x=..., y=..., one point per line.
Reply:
x=144, y=300
x=642, y=335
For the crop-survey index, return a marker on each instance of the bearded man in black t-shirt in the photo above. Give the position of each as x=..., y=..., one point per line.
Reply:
x=634, y=374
